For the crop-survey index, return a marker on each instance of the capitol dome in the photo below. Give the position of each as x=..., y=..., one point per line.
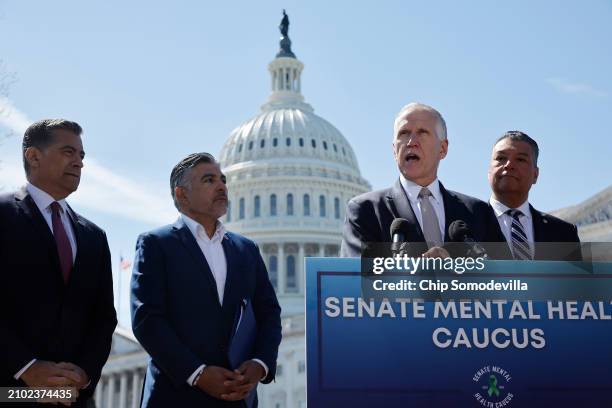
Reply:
x=290, y=174
x=287, y=130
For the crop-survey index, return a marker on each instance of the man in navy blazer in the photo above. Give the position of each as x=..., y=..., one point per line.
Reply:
x=56, y=296
x=419, y=143
x=189, y=283
x=526, y=232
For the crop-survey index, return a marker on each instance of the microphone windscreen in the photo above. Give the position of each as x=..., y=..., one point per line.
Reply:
x=458, y=231
x=400, y=225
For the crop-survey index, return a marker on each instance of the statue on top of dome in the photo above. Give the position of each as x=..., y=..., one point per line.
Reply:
x=284, y=25
x=285, y=42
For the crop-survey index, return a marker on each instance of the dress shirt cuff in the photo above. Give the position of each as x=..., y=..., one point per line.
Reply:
x=265, y=367
x=23, y=370
x=193, y=378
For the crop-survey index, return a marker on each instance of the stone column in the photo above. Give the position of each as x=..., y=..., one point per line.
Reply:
x=98, y=393
x=301, y=269
x=290, y=373
x=123, y=390
x=136, y=389
x=281, y=268
x=321, y=250
x=110, y=402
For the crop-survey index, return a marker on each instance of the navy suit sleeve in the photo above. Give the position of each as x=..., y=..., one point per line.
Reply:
x=267, y=313
x=149, y=315
x=97, y=342
x=359, y=220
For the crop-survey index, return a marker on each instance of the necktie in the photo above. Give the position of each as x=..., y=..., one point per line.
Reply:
x=64, y=250
x=431, y=225
x=520, y=245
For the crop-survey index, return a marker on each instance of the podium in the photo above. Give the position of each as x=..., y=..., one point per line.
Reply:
x=397, y=350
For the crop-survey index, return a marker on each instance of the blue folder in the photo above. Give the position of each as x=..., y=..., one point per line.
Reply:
x=242, y=344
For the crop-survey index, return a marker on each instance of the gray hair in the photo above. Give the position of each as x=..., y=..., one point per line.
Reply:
x=440, y=123
x=518, y=136
x=40, y=135
x=180, y=173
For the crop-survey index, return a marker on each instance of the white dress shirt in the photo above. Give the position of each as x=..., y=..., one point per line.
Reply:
x=212, y=249
x=43, y=201
x=505, y=221
x=412, y=190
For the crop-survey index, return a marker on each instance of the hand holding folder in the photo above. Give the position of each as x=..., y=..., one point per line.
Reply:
x=242, y=343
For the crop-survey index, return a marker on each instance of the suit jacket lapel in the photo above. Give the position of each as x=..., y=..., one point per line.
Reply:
x=232, y=293
x=400, y=208
x=80, y=237
x=231, y=280
x=188, y=240
x=32, y=213
x=538, y=230
x=451, y=205
x=500, y=247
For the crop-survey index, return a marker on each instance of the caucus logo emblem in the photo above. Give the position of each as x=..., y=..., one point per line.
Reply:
x=492, y=387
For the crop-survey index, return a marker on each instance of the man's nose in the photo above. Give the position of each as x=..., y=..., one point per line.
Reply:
x=412, y=141
x=78, y=162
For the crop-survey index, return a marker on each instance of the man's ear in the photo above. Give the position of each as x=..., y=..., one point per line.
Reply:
x=443, y=148
x=32, y=156
x=179, y=192
x=537, y=173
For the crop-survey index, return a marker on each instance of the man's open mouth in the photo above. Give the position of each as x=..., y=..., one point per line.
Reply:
x=411, y=156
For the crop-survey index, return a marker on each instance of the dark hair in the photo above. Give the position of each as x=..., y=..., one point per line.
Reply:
x=180, y=172
x=40, y=135
x=519, y=136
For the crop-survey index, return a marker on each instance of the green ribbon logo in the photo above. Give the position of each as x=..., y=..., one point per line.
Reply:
x=493, y=386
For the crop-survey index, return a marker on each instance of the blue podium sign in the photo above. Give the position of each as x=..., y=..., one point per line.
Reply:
x=365, y=351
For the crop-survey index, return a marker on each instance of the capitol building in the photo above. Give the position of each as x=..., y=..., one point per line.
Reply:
x=290, y=174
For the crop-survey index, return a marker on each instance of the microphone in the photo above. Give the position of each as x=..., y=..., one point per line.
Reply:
x=399, y=230
x=459, y=231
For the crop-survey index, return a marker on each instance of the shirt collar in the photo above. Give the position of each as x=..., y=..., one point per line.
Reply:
x=412, y=189
x=198, y=230
x=500, y=209
x=42, y=199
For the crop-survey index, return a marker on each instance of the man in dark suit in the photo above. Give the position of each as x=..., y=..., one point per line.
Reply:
x=419, y=143
x=189, y=283
x=512, y=172
x=56, y=296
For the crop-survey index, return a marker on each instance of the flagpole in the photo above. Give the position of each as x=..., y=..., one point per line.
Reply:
x=119, y=273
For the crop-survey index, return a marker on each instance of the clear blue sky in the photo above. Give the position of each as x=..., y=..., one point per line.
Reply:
x=153, y=81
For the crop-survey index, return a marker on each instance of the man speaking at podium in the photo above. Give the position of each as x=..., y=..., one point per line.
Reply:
x=202, y=304
x=419, y=143
x=512, y=171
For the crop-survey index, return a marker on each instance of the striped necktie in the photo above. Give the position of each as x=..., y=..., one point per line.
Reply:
x=520, y=245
